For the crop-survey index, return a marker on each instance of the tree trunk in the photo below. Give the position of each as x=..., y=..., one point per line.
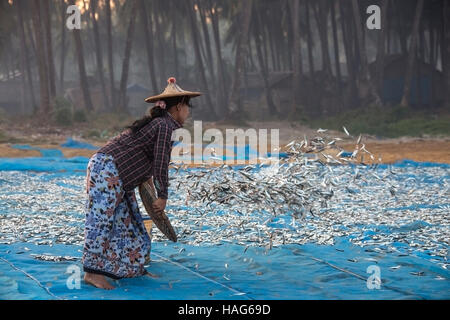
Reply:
x=365, y=83
x=349, y=57
x=321, y=14
x=98, y=54
x=309, y=41
x=432, y=39
x=381, y=47
x=82, y=68
x=336, y=55
x=25, y=57
x=110, y=52
x=401, y=29
x=31, y=35
x=126, y=60
x=220, y=67
x=207, y=43
x=199, y=61
x=161, y=50
x=48, y=36
x=174, y=46
x=262, y=63
x=296, y=57
x=241, y=52
x=63, y=47
x=446, y=57
x=412, y=55
x=269, y=39
x=289, y=55
x=149, y=45
x=44, y=109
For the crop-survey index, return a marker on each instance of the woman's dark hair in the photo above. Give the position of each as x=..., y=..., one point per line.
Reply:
x=157, y=112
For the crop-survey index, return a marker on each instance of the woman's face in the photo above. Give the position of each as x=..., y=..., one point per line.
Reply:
x=183, y=112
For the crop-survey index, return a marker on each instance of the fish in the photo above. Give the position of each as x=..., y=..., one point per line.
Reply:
x=52, y=258
x=346, y=131
x=306, y=199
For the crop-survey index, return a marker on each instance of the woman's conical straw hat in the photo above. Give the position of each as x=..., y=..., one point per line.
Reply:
x=172, y=90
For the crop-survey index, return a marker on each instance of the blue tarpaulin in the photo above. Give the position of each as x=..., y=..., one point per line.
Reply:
x=70, y=143
x=224, y=271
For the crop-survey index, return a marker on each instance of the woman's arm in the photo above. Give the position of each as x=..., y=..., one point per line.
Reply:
x=161, y=159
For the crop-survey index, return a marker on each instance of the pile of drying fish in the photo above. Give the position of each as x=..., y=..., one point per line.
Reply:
x=295, y=185
x=52, y=258
x=308, y=197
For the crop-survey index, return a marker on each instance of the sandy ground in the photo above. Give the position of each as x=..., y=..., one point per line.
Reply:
x=390, y=150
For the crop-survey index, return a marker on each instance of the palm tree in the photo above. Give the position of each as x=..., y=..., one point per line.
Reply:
x=42, y=65
x=148, y=34
x=122, y=107
x=156, y=14
x=336, y=54
x=198, y=56
x=63, y=45
x=309, y=40
x=241, y=53
x=99, y=55
x=365, y=80
x=109, y=39
x=263, y=67
x=82, y=68
x=24, y=95
x=412, y=55
x=25, y=61
x=321, y=15
x=297, y=56
x=446, y=60
x=48, y=37
x=209, y=56
x=348, y=42
x=381, y=46
x=222, y=80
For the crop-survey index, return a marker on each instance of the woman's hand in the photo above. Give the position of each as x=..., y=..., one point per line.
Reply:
x=159, y=205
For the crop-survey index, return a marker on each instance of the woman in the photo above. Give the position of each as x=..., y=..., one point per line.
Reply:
x=116, y=242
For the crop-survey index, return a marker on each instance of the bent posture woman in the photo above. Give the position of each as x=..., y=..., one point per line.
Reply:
x=116, y=242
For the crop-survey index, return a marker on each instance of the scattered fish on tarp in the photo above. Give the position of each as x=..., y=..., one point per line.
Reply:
x=46, y=257
x=308, y=197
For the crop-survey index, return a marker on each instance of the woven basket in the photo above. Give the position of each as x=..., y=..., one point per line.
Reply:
x=147, y=192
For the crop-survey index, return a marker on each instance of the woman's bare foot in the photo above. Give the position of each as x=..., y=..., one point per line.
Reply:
x=98, y=281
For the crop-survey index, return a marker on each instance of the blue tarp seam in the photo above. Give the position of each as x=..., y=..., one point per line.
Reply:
x=32, y=278
x=355, y=274
x=202, y=276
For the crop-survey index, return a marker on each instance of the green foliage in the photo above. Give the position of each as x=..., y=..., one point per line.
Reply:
x=3, y=137
x=92, y=134
x=63, y=117
x=62, y=112
x=390, y=123
x=79, y=116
